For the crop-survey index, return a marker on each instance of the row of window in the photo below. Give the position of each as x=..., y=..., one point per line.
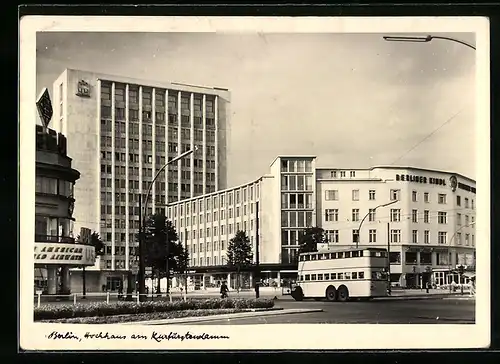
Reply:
x=291, y=165
x=342, y=174
x=53, y=186
x=341, y=276
x=224, y=199
x=332, y=215
x=296, y=183
x=332, y=236
x=296, y=219
x=296, y=201
x=333, y=195
x=343, y=255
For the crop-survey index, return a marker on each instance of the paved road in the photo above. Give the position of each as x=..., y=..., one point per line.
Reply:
x=439, y=311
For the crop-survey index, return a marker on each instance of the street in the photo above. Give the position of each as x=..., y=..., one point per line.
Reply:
x=438, y=311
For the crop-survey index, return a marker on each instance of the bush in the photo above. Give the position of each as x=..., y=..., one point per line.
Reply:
x=54, y=312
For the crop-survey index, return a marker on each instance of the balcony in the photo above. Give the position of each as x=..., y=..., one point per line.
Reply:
x=54, y=239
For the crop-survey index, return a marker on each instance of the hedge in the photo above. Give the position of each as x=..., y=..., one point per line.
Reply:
x=53, y=312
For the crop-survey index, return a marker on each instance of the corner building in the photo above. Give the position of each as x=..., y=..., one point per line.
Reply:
x=55, y=249
x=429, y=223
x=120, y=132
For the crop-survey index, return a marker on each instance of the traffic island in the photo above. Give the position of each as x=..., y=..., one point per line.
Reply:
x=118, y=312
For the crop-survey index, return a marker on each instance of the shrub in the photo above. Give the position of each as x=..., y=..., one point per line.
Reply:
x=96, y=309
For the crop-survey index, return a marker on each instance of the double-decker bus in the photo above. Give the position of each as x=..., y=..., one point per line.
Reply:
x=339, y=275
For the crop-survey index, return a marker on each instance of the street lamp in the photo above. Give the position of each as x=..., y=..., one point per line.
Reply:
x=451, y=240
x=142, y=215
x=425, y=39
x=364, y=218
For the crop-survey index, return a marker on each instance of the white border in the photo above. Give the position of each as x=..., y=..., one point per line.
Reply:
x=310, y=337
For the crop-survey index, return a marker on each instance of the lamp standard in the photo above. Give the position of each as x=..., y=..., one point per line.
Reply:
x=142, y=215
x=449, y=245
x=426, y=39
x=364, y=218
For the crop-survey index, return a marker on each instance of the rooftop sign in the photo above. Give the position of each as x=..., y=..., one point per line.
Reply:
x=44, y=107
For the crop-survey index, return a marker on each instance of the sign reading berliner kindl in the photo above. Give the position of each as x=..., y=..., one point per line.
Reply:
x=64, y=254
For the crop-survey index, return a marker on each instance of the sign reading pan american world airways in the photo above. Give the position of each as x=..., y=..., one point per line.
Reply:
x=64, y=254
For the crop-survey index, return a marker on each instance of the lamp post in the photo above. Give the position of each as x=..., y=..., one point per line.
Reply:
x=451, y=240
x=142, y=215
x=364, y=218
x=425, y=39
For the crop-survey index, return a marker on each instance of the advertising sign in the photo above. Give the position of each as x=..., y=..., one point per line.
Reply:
x=64, y=254
x=44, y=107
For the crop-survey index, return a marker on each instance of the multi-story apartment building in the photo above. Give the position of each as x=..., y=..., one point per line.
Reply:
x=121, y=132
x=430, y=219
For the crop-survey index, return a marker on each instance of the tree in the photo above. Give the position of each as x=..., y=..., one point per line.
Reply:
x=239, y=254
x=310, y=238
x=160, y=242
x=95, y=241
x=181, y=262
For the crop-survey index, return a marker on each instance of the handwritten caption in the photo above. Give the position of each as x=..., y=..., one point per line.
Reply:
x=155, y=336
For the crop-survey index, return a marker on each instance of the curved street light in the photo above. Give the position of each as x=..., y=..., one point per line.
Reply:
x=142, y=215
x=426, y=39
x=364, y=218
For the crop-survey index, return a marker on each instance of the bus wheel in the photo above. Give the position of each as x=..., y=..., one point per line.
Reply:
x=297, y=294
x=331, y=294
x=343, y=293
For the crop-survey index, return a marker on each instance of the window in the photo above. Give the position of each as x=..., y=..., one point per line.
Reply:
x=426, y=197
x=373, y=235
x=441, y=198
x=332, y=236
x=426, y=216
x=355, y=235
x=459, y=219
x=352, y=173
x=355, y=214
x=466, y=201
x=396, y=236
x=395, y=215
x=459, y=238
x=442, y=217
x=414, y=236
x=371, y=215
x=414, y=196
x=426, y=237
x=414, y=216
x=442, y=237
x=472, y=204
x=371, y=195
x=459, y=201
x=331, y=215
x=331, y=195
x=355, y=195
x=395, y=195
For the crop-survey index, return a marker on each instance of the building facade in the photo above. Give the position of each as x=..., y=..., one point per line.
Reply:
x=55, y=249
x=121, y=132
x=428, y=221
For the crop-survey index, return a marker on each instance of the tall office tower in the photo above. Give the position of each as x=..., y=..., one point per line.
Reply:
x=121, y=132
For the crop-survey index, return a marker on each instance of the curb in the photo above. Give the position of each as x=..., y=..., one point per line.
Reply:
x=276, y=311
x=417, y=297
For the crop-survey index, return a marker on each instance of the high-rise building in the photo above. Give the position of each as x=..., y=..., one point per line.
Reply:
x=121, y=132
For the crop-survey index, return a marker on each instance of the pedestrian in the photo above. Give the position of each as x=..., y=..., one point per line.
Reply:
x=427, y=286
x=120, y=292
x=224, y=290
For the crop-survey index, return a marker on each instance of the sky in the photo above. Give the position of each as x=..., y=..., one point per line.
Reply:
x=353, y=100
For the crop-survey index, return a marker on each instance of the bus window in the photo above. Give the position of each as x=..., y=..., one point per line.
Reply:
x=308, y=257
x=313, y=277
x=361, y=275
x=325, y=256
x=348, y=275
x=307, y=277
x=333, y=256
x=301, y=258
x=354, y=275
x=313, y=256
x=320, y=277
x=333, y=276
x=347, y=254
x=327, y=276
x=301, y=278
x=320, y=256
x=381, y=276
x=356, y=254
x=340, y=276
x=340, y=255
